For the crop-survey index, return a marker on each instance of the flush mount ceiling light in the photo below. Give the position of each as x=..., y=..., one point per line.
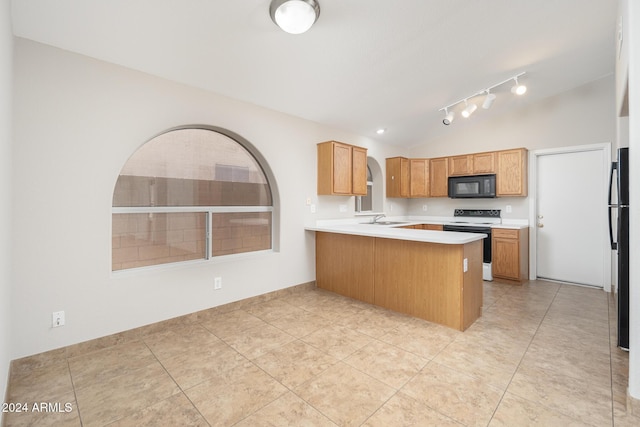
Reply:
x=518, y=89
x=294, y=16
x=468, y=110
x=381, y=131
x=449, y=116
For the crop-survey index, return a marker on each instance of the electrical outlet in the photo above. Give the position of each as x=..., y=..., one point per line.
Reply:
x=57, y=319
x=343, y=208
x=508, y=209
x=312, y=208
x=217, y=283
x=424, y=208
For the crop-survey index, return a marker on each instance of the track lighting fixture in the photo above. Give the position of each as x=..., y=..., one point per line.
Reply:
x=489, y=98
x=448, y=117
x=517, y=88
x=468, y=110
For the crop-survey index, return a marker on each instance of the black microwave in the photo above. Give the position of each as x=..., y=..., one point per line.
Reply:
x=472, y=187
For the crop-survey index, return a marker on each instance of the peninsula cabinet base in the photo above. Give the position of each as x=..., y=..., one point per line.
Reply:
x=425, y=280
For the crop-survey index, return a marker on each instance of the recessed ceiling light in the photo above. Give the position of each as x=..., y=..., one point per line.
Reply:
x=381, y=131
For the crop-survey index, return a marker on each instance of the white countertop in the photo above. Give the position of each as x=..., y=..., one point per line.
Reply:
x=394, y=232
x=360, y=226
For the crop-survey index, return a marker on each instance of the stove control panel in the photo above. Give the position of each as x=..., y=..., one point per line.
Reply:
x=477, y=213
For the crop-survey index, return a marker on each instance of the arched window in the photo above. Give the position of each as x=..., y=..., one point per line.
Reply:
x=190, y=194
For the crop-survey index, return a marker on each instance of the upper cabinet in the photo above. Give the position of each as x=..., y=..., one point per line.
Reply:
x=407, y=177
x=430, y=177
x=461, y=165
x=419, y=185
x=398, y=177
x=484, y=163
x=439, y=177
x=472, y=164
x=511, y=173
x=342, y=169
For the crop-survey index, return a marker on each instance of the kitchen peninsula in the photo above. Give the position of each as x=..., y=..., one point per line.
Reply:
x=433, y=275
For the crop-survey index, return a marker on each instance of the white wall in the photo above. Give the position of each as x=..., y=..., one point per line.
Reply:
x=6, y=66
x=585, y=115
x=632, y=41
x=76, y=121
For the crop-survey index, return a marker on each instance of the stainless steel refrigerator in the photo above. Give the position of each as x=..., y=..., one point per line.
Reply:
x=619, y=188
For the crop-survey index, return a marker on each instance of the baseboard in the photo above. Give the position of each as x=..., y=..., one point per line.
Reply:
x=74, y=350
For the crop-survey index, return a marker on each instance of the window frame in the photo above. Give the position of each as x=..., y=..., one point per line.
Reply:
x=209, y=210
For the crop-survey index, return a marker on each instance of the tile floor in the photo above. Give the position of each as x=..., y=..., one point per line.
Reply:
x=542, y=354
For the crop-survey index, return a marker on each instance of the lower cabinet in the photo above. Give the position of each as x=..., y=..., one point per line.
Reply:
x=510, y=255
x=421, y=279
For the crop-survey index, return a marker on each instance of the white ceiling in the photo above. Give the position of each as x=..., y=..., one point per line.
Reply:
x=365, y=64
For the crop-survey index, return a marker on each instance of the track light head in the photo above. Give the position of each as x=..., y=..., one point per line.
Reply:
x=469, y=109
x=517, y=88
x=448, y=118
x=488, y=100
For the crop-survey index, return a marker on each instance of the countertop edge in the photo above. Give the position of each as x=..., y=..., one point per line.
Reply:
x=394, y=232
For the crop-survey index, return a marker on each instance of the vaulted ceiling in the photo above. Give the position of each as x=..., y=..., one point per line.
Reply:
x=365, y=64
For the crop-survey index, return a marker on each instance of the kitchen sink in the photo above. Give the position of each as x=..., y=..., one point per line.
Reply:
x=387, y=223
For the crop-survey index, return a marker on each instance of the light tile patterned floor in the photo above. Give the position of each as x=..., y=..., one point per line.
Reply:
x=542, y=354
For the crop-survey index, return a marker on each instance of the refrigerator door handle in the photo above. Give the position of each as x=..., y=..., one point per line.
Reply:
x=614, y=245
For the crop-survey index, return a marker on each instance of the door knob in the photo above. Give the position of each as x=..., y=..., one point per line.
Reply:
x=540, y=225
x=540, y=216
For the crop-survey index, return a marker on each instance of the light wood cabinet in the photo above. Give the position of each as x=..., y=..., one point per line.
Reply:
x=342, y=169
x=359, y=168
x=484, y=163
x=419, y=183
x=472, y=164
x=407, y=177
x=510, y=255
x=511, y=175
x=435, y=227
x=430, y=177
x=398, y=177
x=421, y=279
x=439, y=177
x=345, y=265
x=461, y=165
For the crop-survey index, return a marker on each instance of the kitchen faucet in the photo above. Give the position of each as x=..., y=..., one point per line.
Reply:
x=377, y=217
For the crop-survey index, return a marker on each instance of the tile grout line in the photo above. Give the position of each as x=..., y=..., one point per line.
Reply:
x=75, y=394
x=182, y=391
x=524, y=354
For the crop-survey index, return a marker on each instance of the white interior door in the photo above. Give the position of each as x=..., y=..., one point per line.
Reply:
x=571, y=217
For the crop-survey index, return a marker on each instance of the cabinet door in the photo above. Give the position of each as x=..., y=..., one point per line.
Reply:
x=484, y=163
x=461, y=165
x=359, y=170
x=505, y=258
x=419, y=182
x=342, y=172
x=511, y=175
x=438, y=177
x=398, y=175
